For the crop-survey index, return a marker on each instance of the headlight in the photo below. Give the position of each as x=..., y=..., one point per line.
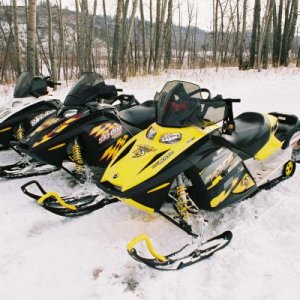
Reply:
x=70, y=113
x=151, y=133
x=170, y=138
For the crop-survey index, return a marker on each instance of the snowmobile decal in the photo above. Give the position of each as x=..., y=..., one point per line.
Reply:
x=58, y=129
x=142, y=150
x=163, y=159
x=245, y=184
x=106, y=131
x=44, y=125
x=41, y=116
x=111, y=152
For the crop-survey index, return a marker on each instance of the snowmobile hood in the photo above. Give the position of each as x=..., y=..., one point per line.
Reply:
x=149, y=152
x=15, y=105
x=48, y=129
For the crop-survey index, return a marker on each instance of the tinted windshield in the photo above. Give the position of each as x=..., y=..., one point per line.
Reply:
x=88, y=88
x=180, y=105
x=22, y=88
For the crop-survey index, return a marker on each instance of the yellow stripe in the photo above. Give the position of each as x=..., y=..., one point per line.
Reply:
x=159, y=187
x=57, y=146
x=58, y=199
x=146, y=239
x=215, y=182
x=5, y=129
x=137, y=205
x=221, y=197
x=269, y=148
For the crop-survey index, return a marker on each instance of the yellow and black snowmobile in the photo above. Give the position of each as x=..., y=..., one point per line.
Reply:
x=197, y=156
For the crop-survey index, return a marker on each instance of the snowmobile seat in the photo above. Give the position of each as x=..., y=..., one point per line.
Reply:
x=252, y=131
x=140, y=116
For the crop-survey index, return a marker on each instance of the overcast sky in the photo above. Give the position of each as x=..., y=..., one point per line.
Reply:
x=204, y=8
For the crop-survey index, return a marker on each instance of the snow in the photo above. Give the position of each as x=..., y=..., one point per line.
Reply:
x=44, y=256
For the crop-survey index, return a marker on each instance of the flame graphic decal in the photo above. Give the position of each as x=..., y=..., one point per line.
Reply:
x=111, y=152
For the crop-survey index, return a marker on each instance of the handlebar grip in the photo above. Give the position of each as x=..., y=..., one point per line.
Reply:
x=119, y=90
x=57, y=83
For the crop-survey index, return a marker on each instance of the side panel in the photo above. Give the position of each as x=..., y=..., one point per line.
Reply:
x=220, y=179
x=28, y=117
x=101, y=140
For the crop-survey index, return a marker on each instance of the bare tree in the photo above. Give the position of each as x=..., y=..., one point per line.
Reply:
x=127, y=39
x=242, y=40
x=265, y=22
x=17, y=38
x=107, y=35
x=50, y=42
x=31, y=36
x=291, y=15
x=116, y=41
x=168, y=36
x=157, y=34
x=255, y=33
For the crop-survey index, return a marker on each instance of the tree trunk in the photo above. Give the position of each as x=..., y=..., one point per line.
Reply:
x=17, y=39
x=127, y=40
x=50, y=42
x=116, y=42
x=107, y=37
x=266, y=43
x=263, y=31
x=157, y=33
x=143, y=37
x=242, y=66
x=291, y=14
x=150, y=39
x=31, y=36
x=255, y=33
x=168, y=35
x=298, y=58
x=215, y=31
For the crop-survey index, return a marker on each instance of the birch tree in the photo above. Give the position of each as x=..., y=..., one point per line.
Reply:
x=31, y=36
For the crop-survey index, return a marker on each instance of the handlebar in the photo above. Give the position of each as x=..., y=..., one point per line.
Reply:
x=119, y=90
x=232, y=100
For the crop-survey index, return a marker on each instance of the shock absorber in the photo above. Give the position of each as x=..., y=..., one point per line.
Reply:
x=20, y=133
x=183, y=203
x=77, y=157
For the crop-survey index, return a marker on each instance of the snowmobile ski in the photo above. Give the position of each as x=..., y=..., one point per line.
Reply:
x=24, y=169
x=68, y=206
x=186, y=256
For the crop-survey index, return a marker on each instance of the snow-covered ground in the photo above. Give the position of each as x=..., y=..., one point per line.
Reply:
x=44, y=256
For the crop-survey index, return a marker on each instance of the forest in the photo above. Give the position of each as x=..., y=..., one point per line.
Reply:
x=144, y=37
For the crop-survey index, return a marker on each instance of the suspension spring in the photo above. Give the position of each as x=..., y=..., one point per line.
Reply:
x=77, y=158
x=20, y=133
x=182, y=203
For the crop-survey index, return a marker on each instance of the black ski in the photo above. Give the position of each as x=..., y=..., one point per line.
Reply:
x=70, y=206
x=24, y=169
x=185, y=257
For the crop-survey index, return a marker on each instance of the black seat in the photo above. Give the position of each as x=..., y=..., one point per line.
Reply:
x=252, y=131
x=140, y=116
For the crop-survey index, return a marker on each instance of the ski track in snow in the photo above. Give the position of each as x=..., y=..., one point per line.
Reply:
x=44, y=256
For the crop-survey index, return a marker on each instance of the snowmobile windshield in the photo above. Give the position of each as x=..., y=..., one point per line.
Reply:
x=88, y=88
x=180, y=105
x=23, y=85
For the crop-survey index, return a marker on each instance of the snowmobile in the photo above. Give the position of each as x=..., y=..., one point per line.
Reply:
x=86, y=134
x=30, y=104
x=197, y=156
